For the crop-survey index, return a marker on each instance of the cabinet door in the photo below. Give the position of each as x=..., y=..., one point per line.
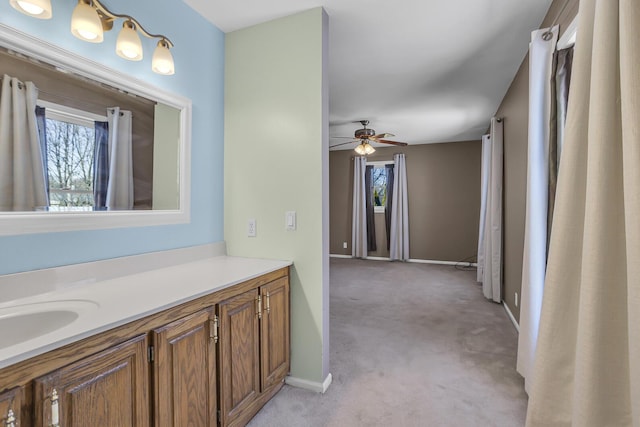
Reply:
x=185, y=372
x=108, y=389
x=275, y=332
x=11, y=407
x=239, y=363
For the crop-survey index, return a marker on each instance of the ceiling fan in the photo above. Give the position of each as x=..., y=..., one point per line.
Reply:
x=365, y=136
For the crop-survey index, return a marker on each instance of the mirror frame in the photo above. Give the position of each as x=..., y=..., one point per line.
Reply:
x=17, y=223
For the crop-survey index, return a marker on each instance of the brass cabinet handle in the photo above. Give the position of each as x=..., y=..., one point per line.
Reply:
x=55, y=413
x=10, y=421
x=268, y=305
x=259, y=313
x=214, y=329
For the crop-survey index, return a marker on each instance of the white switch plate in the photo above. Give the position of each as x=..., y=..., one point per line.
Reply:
x=251, y=228
x=344, y=245
x=290, y=220
x=516, y=299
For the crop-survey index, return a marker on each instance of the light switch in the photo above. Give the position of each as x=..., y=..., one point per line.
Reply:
x=290, y=220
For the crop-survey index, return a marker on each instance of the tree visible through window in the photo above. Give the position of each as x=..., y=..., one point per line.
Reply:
x=70, y=162
x=379, y=182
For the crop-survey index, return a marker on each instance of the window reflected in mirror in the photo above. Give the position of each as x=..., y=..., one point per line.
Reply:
x=68, y=143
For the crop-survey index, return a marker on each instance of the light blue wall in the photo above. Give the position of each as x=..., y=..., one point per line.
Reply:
x=199, y=59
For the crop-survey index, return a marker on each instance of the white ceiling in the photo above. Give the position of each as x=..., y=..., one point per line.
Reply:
x=424, y=70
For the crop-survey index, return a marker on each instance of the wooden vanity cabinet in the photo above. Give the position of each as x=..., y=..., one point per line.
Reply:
x=109, y=389
x=212, y=361
x=254, y=350
x=11, y=408
x=184, y=366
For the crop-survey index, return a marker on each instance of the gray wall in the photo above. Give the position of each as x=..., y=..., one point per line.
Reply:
x=444, y=199
x=515, y=111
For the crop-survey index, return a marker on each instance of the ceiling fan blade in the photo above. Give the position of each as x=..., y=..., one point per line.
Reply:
x=343, y=143
x=383, y=135
x=386, y=141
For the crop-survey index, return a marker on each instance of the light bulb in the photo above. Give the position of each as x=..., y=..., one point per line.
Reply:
x=162, y=62
x=86, y=24
x=40, y=9
x=128, y=45
x=368, y=149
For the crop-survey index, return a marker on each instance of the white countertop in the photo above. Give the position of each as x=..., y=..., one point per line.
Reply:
x=120, y=300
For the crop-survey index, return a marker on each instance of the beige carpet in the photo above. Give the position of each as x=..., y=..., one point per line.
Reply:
x=411, y=345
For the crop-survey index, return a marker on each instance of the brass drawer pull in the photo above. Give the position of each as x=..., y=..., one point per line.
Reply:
x=10, y=421
x=268, y=305
x=55, y=413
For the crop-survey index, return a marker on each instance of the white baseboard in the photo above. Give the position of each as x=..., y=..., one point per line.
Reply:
x=310, y=385
x=419, y=261
x=430, y=261
x=513, y=319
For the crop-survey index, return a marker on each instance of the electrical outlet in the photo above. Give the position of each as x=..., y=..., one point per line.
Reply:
x=516, y=299
x=344, y=245
x=251, y=228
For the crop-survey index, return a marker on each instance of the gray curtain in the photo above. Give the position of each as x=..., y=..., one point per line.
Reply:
x=492, y=266
x=22, y=174
x=563, y=59
x=389, y=202
x=101, y=166
x=399, y=247
x=359, y=219
x=41, y=120
x=371, y=224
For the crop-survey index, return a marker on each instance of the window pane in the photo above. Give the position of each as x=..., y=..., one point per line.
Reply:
x=70, y=152
x=379, y=182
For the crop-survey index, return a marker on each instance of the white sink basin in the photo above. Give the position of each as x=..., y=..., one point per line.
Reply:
x=21, y=323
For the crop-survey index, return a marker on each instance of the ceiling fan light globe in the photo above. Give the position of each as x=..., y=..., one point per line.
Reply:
x=368, y=149
x=360, y=149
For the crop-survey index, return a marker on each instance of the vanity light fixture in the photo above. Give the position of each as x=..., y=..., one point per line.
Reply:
x=364, y=148
x=40, y=9
x=89, y=21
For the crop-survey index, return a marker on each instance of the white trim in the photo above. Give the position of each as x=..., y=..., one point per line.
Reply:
x=310, y=385
x=513, y=319
x=417, y=261
x=430, y=261
x=378, y=258
x=12, y=223
x=380, y=164
x=568, y=37
x=72, y=115
x=379, y=209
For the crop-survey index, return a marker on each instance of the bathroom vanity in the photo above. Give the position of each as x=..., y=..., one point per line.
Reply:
x=199, y=343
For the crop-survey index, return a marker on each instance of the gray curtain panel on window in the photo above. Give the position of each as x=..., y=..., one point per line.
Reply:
x=101, y=166
x=389, y=202
x=22, y=175
x=563, y=59
x=371, y=224
x=41, y=120
x=359, y=220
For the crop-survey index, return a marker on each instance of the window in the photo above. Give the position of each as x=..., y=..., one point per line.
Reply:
x=70, y=148
x=379, y=180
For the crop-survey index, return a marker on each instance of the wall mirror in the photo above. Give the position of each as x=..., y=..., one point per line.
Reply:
x=115, y=151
